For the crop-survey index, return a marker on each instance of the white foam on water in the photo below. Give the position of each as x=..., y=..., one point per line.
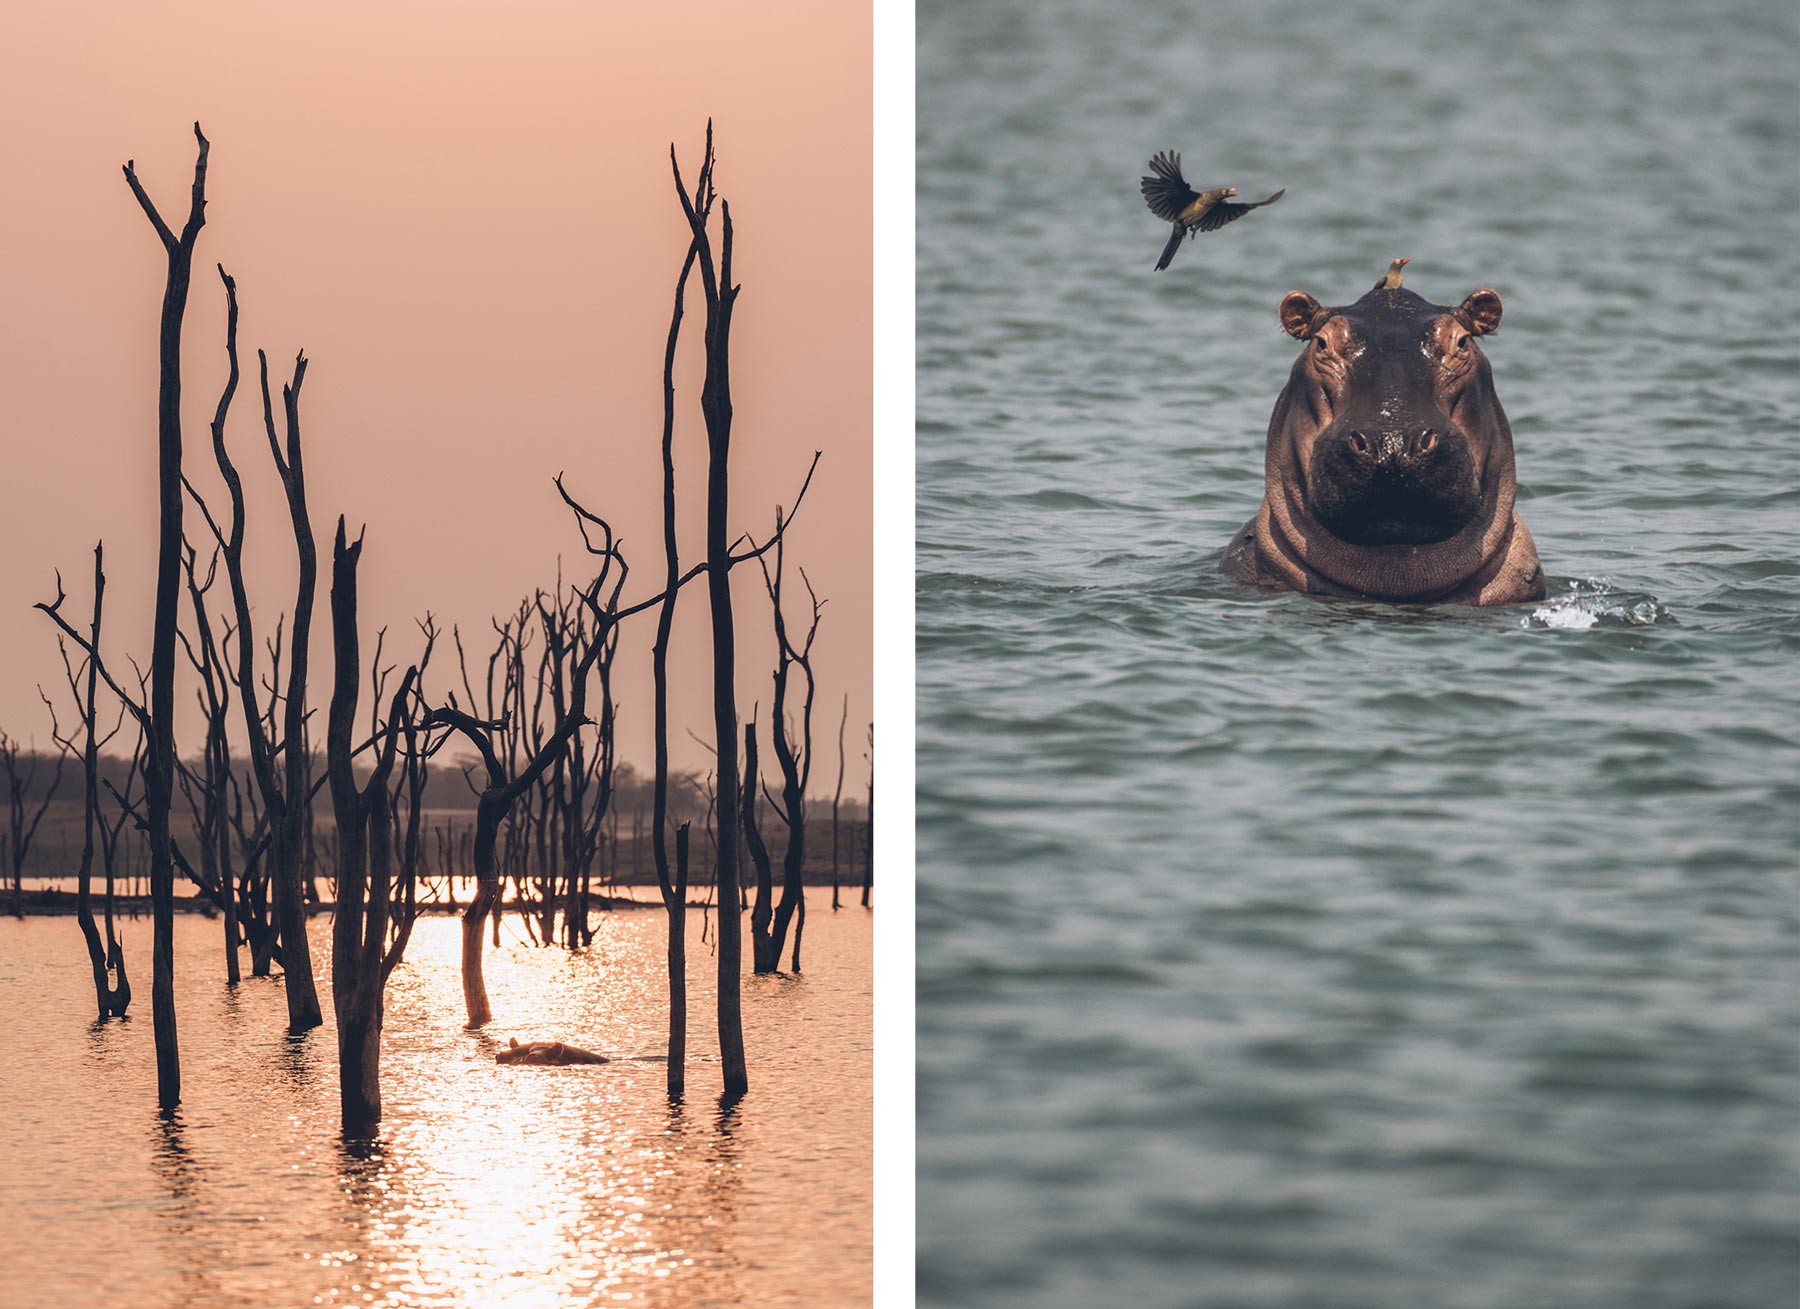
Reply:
x=1591, y=603
x=1570, y=618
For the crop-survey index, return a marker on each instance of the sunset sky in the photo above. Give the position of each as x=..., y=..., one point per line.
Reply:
x=464, y=214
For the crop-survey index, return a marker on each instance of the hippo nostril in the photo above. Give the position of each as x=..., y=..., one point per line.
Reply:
x=1427, y=442
x=1359, y=443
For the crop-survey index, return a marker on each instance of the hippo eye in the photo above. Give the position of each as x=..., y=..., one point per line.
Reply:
x=1319, y=344
x=1462, y=342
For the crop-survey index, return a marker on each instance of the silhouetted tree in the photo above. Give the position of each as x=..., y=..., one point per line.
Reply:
x=368, y=936
x=672, y=887
x=285, y=795
x=759, y=857
x=111, y=998
x=715, y=408
x=208, y=793
x=794, y=758
x=869, y=825
x=113, y=855
x=568, y=820
x=160, y=772
x=584, y=832
x=18, y=772
x=504, y=787
x=836, y=798
x=712, y=842
x=503, y=712
x=410, y=784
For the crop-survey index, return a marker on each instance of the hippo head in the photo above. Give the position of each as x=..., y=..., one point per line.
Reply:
x=1390, y=462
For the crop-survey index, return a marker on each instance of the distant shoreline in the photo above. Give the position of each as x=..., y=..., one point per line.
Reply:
x=61, y=904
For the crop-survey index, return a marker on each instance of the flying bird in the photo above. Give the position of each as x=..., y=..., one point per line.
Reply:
x=1171, y=199
x=1390, y=280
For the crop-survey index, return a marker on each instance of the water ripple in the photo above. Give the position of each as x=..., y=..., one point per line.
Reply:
x=1276, y=951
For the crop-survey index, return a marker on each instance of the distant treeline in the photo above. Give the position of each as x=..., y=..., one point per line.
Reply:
x=449, y=805
x=446, y=787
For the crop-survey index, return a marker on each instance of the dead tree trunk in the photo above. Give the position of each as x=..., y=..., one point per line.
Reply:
x=113, y=856
x=795, y=763
x=362, y=955
x=571, y=823
x=837, y=797
x=763, y=949
x=799, y=931
x=869, y=826
x=675, y=905
x=160, y=773
x=21, y=770
x=112, y=999
x=207, y=794
x=289, y=844
x=715, y=406
x=285, y=795
x=310, y=839
x=496, y=800
x=605, y=761
x=415, y=773
x=673, y=889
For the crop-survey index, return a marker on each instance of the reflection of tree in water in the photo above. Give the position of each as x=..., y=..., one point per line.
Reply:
x=185, y=1232
x=174, y=1162
x=689, y=1247
x=365, y=1177
x=298, y=1060
x=102, y=1034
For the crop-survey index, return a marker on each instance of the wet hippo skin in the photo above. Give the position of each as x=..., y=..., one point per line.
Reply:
x=546, y=1052
x=1389, y=468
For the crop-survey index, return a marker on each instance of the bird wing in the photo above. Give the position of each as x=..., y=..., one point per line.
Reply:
x=1167, y=192
x=1224, y=212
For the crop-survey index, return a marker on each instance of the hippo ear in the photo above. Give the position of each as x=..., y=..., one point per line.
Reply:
x=1480, y=312
x=512, y=1043
x=1301, y=315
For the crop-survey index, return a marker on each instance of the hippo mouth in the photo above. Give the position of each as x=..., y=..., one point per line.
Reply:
x=1388, y=488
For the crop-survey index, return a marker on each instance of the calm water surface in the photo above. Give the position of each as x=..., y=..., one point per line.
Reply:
x=488, y=1185
x=1284, y=952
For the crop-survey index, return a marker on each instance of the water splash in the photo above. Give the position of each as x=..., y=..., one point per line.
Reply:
x=1595, y=602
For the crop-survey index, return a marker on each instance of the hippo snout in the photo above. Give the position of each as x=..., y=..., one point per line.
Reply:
x=1407, y=483
x=1400, y=451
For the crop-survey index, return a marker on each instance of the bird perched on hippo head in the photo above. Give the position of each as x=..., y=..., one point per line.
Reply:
x=1390, y=280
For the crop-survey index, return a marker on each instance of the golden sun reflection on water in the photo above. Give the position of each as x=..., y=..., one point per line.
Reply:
x=521, y=1186
x=542, y=1186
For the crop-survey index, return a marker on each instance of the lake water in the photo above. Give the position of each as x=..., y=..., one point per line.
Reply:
x=488, y=1185
x=1276, y=951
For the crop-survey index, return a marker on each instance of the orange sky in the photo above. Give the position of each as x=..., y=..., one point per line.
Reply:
x=463, y=213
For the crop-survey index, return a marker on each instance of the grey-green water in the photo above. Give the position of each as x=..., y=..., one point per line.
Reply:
x=1285, y=952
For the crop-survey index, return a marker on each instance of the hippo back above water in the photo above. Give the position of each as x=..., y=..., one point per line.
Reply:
x=1389, y=469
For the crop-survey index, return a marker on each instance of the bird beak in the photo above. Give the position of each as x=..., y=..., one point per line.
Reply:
x=1405, y=262
x=1231, y=190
